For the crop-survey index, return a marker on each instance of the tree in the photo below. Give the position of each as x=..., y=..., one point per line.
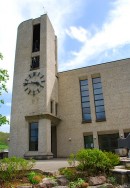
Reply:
x=3, y=80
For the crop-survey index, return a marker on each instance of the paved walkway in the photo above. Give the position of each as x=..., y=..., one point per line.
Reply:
x=51, y=165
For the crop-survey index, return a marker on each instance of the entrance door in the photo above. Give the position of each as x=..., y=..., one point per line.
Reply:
x=54, y=141
x=108, y=142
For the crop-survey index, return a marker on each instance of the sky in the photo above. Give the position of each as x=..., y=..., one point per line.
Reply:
x=89, y=32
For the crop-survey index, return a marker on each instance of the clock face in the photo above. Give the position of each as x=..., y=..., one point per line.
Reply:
x=34, y=83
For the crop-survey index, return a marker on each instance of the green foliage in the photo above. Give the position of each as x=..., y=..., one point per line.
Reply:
x=77, y=183
x=72, y=160
x=93, y=160
x=3, y=146
x=3, y=80
x=114, y=158
x=112, y=180
x=4, y=140
x=69, y=173
x=14, y=167
x=34, y=178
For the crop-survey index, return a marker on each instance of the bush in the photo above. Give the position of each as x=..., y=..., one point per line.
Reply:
x=72, y=160
x=114, y=158
x=69, y=173
x=34, y=178
x=93, y=160
x=77, y=183
x=14, y=167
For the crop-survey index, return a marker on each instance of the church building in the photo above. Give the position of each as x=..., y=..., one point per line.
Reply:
x=56, y=113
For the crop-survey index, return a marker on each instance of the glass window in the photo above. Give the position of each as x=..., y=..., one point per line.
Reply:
x=99, y=103
x=97, y=85
x=35, y=62
x=33, y=136
x=96, y=80
x=83, y=82
x=97, y=91
x=36, y=38
x=86, y=110
x=85, y=93
x=100, y=115
x=98, y=97
x=87, y=117
x=88, y=142
x=108, y=142
x=85, y=104
x=84, y=88
x=84, y=99
x=100, y=109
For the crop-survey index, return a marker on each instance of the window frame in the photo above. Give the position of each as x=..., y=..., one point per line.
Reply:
x=84, y=93
x=31, y=144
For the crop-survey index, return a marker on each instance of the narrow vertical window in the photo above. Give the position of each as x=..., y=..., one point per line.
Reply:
x=36, y=38
x=35, y=62
x=85, y=102
x=98, y=99
x=51, y=106
x=33, y=136
x=56, y=108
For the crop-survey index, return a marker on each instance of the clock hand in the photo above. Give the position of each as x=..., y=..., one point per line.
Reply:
x=37, y=83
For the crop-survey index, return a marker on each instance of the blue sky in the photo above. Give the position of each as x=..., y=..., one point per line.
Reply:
x=89, y=32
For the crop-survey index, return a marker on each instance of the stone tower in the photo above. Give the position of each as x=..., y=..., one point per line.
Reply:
x=35, y=91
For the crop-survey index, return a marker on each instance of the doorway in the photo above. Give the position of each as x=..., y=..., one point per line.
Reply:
x=54, y=141
x=108, y=142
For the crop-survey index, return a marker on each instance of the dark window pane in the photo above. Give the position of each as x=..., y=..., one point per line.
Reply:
x=97, y=85
x=33, y=137
x=100, y=109
x=34, y=126
x=87, y=117
x=88, y=141
x=83, y=82
x=84, y=99
x=99, y=103
x=98, y=91
x=86, y=110
x=85, y=93
x=34, y=132
x=108, y=142
x=85, y=104
x=84, y=87
x=35, y=62
x=100, y=115
x=96, y=80
x=36, y=38
x=98, y=97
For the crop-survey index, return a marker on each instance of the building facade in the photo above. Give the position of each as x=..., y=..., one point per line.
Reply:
x=57, y=113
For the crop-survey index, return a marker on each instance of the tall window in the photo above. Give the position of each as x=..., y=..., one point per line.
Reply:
x=85, y=102
x=88, y=142
x=35, y=62
x=56, y=109
x=33, y=136
x=98, y=99
x=36, y=38
x=51, y=106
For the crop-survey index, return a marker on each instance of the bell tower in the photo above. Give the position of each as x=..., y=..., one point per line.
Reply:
x=34, y=117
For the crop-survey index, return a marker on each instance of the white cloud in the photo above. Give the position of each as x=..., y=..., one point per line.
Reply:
x=79, y=33
x=13, y=12
x=113, y=34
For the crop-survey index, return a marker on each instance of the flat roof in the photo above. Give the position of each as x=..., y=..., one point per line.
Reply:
x=116, y=61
